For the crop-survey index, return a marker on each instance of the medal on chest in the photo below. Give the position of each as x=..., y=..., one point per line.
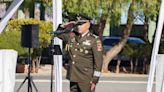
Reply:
x=87, y=42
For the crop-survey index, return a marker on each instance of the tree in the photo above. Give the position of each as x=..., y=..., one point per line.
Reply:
x=112, y=9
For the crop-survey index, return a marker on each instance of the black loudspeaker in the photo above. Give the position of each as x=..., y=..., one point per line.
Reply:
x=29, y=36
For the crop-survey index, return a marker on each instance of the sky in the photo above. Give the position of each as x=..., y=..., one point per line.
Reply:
x=139, y=19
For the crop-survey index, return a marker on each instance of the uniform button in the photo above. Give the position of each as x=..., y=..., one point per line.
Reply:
x=73, y=62
x=85, y=69
x=86, y=51
x=74, y=55
x=81, y=50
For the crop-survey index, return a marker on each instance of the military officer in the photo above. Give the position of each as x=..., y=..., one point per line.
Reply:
x=85, y=64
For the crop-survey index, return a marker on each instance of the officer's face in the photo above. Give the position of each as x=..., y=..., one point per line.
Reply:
x=84, y=27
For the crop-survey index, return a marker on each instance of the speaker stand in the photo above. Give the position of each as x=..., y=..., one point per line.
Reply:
x=52, y=70
x=28, y=77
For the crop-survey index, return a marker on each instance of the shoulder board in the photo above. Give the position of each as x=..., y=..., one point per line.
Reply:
x=93, y=35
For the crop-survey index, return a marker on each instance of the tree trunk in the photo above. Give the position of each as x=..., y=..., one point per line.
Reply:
x=35, y=65
x=98, y=29
x=131, y=65
x=136, y=65
x=101, y=27
x=26, y=13
x=146, y=29
x=118, y=47
x=118, y=66
x=32, y=9
x=42, y=11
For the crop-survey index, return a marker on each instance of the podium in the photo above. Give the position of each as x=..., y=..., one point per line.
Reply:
x=8, y=60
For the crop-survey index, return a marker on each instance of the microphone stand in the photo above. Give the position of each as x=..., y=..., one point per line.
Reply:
x=52, y=64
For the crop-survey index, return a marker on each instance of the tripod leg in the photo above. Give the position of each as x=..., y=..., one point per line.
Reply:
x=34, y=85
x=21, y=84
x=29, y=84
x=51, y=78
x=30, y=87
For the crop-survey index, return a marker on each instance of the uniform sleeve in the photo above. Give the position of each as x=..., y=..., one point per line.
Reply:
x=65, y=36
x=98, y=59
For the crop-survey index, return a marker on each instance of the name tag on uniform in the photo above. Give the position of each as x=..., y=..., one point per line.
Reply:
x=87, y=42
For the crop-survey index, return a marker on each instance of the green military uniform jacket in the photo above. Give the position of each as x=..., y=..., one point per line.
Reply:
x=85, y=62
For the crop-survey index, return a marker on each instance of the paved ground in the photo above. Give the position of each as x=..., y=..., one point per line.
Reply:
x=107, y=84
x=46, y=70
x=110, y=82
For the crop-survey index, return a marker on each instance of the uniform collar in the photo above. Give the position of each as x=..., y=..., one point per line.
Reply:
x=84, y=37
x=85, y=33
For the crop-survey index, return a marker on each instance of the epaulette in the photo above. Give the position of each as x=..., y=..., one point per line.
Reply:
x=93, y=35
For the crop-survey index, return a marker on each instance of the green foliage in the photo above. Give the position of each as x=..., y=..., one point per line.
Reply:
x=26, y=4
x=111, y=8
x=96, y=8
x=10, y=38
x=137, y=50
x=115, y=14
x=88, y=7
x=128, y=50
x=145, y=49
x=150, y=8
x=161, y=48
x=46, y=3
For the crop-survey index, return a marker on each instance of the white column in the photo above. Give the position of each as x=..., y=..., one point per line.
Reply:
x=57, y=19
x=9, y=13
x=1, y=73
x=58, y=67
x=155, y=48
x=160, y=73
x=57, y=13
x=8, y=60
